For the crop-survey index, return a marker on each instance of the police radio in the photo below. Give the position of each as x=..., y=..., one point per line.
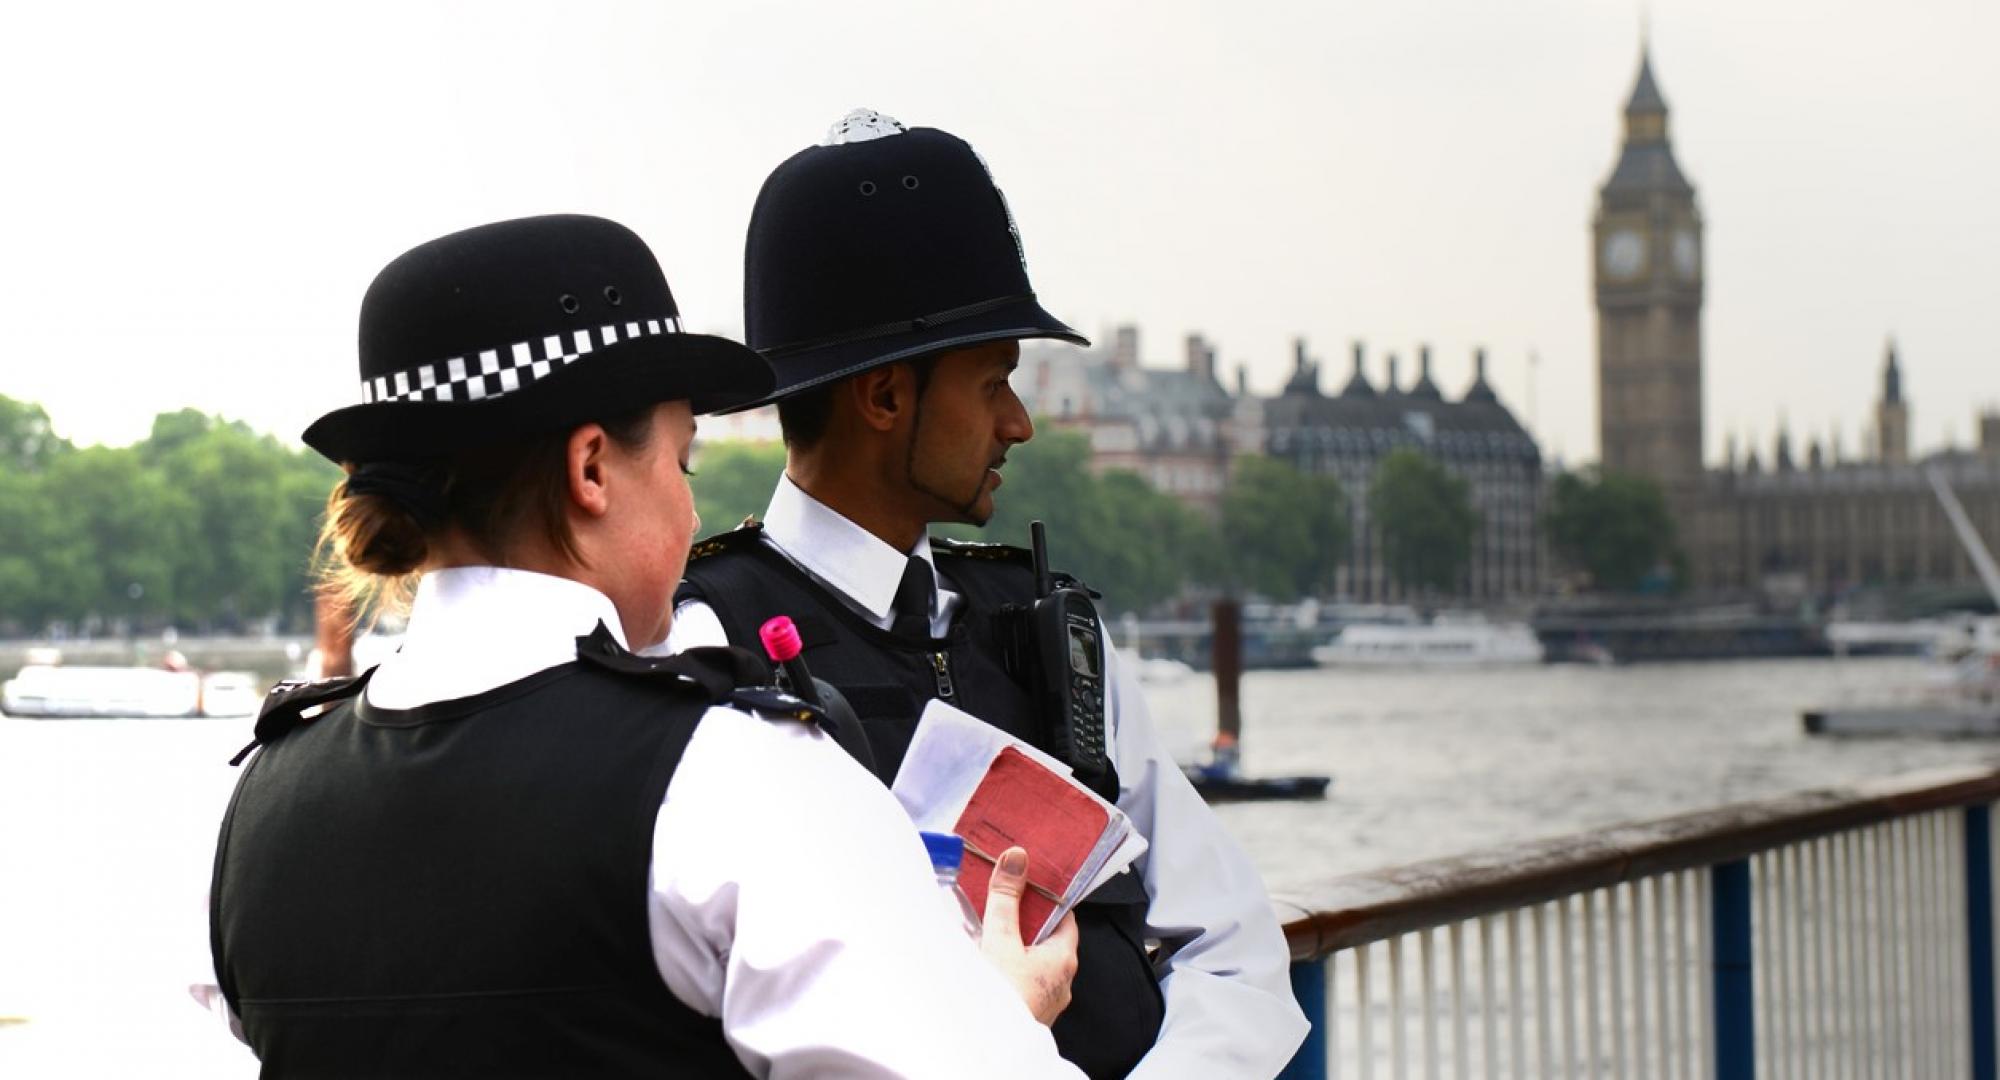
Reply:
x=1067, y=650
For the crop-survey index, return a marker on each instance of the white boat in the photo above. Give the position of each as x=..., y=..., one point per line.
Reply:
x=232, y=693
x=52, y=691
x=1963, y=694
x=1447, y=641
x=40, y=690
x=1916, y=637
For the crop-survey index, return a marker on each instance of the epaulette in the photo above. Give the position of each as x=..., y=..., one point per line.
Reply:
x=982, y=549
x=989, y=551
x=720, y=674
x=296, y=702
x=736, y=537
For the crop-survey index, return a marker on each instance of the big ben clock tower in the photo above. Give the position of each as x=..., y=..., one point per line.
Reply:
x=1648, y=256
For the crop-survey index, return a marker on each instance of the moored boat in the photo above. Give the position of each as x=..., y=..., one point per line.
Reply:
x=62, y=692
x=1964, y=695
x=1445, y=641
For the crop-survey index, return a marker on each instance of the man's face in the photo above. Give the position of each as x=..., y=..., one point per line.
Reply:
x=966, y=419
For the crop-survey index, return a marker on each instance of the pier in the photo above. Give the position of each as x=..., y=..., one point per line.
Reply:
x=1842, y=932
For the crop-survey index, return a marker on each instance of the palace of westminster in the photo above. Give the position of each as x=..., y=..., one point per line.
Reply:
x=1790, y=527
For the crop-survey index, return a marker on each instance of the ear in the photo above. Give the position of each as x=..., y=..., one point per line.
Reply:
x=585, y=460
x=883, y=396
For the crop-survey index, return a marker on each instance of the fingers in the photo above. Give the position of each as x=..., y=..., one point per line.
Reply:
x=1041, y=974
x=1001, y=924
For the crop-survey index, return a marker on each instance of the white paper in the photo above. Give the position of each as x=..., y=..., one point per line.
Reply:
x=949, y=756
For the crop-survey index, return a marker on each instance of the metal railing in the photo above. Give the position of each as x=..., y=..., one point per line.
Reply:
x=1839, y=933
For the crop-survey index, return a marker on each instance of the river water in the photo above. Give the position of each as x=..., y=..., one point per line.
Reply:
x=106, y=827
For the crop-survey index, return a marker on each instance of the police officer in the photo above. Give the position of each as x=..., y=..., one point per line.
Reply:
x=516, y=848
x=885, y=282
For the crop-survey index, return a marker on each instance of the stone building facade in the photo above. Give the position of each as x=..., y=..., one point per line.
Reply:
x=1816, y=527
x=1176, y=427
x=1179, y=428
x=1346, y=435
x=1822, y=526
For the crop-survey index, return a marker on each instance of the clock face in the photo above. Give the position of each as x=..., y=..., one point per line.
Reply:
x=1624, y=253
x=1687, y=254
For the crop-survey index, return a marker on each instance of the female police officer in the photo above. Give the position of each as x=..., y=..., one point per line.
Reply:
x=516, y=848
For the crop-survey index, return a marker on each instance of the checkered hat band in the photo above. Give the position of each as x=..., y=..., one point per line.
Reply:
x=492, y=372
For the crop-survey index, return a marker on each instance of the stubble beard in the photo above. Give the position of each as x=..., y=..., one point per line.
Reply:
x=967, y=511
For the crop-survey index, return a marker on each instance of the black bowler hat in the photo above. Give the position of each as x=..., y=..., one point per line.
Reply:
x=883, y=244
x=519, y=328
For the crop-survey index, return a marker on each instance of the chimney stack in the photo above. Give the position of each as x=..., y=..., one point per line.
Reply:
x=1125, y=348
x=1200, y=358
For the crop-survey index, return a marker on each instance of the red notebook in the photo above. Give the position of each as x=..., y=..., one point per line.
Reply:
x=1020, y=803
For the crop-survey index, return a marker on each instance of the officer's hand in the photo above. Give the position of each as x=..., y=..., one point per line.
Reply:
x=1041, y=974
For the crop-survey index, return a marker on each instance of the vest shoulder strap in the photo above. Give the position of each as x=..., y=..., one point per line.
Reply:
x=714, y=674
x=294, y=702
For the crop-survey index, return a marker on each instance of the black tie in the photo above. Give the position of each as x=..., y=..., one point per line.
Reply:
x=914, y=598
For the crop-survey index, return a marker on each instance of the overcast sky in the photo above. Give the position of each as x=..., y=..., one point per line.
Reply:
x=197, y=194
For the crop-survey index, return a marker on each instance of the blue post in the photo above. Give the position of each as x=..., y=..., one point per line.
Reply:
x=1735, y=1020
x=1979, y=935
x=1309, y=986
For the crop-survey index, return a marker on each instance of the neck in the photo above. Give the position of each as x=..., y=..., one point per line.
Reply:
x=880, y=510
x=538, y=556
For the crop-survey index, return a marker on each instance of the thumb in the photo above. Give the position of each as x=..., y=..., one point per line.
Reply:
x=1001, y=924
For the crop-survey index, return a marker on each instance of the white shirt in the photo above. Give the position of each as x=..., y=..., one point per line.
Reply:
x=1230, y=1010
x=765, y=830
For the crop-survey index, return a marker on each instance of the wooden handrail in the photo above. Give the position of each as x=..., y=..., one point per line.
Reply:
x=1380, y=904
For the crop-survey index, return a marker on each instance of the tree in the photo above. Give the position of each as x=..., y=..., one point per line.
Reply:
x=173, y=430
x=1426, y=518
x=1115, y=532
x=27, y=442
x=203, y=522
x=246, y=556
x=1614, y=526
x=305, y=481
x=39, y=571
x=1286, y=531
x=735, y=480
x=129, y=524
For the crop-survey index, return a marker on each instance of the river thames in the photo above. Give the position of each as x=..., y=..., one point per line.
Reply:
x=109, y=825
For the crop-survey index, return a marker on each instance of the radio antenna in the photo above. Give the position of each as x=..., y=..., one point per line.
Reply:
x=1038, y=540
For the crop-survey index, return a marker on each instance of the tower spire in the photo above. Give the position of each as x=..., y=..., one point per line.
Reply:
x=1892, y=375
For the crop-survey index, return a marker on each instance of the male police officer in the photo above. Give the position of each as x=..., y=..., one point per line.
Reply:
x=884, y=281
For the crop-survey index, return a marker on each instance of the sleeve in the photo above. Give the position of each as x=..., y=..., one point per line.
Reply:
x=792, y=899
x=1227, y=983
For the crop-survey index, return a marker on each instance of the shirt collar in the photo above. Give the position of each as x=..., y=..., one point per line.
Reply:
x=838, y=552
x=474, y=628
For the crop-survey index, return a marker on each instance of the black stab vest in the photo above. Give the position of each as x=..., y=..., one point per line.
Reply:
x=1115, y=1009
x=460, y=889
